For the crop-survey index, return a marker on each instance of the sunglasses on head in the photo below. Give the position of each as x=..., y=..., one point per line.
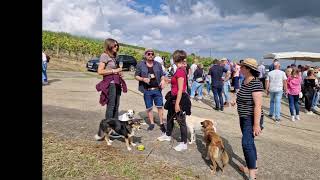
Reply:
x=150, y=54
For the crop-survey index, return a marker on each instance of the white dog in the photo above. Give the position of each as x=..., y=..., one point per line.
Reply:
x=129, y=115
x=194, y=123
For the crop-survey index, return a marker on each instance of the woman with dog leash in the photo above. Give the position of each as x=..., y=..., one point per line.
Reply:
x=112, y=82
x=178, y=101
x=249, y=105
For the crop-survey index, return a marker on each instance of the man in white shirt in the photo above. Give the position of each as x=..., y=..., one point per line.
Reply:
x=276, y=83
x=44, y=69
x=262, y=70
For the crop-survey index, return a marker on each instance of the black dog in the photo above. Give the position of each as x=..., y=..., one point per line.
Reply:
x=123, y=128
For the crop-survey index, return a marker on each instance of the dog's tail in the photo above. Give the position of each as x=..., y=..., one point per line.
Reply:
x=100, y=134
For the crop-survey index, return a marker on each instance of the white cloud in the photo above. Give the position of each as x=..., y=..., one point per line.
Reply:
x=200, y=29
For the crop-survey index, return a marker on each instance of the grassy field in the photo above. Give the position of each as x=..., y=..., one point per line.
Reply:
x=80, y=159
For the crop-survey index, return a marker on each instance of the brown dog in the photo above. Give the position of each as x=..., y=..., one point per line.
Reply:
x=215, y=148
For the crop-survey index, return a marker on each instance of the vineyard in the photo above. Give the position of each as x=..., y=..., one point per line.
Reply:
x=83, y=48
x=58, y=42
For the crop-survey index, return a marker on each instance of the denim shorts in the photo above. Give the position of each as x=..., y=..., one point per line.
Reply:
x=151, y=96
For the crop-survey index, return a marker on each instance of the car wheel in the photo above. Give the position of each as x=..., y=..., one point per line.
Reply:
x=132, y=68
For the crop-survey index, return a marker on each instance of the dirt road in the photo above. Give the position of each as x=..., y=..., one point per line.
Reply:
x=289, y=150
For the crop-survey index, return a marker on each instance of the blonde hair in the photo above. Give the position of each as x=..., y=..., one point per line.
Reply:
x=288, y=71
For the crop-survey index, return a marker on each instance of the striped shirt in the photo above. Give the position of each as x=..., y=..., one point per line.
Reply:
x=245, y=102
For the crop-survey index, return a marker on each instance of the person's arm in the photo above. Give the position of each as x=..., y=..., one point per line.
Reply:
x=285, y=85
x=267, y=84
x=179, y=95
x=257, y=99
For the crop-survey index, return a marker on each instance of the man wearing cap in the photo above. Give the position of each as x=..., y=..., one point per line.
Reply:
x=276, y=84
x=151, y=81
x=216, y=71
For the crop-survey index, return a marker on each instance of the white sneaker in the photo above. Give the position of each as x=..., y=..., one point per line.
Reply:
x=316, y=108
x=292, y=118
x=309, y=113
x=181, y=146
x=297, y=117
x=164, y=138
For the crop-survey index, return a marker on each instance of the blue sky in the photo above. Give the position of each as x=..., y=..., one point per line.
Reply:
x=227, y=28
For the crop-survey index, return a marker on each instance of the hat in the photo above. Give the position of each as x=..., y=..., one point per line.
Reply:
x=148, y=50
x=224, y=59
x=250, y=63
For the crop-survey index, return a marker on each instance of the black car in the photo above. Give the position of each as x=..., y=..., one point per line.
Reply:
x=129, y=63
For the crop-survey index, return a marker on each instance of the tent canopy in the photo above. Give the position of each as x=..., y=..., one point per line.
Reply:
x=295, y=55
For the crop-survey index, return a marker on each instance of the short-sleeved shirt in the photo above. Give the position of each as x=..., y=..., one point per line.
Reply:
x=245, y=103
x=276, y=78
x=109, y=61
x=181, y=72
x=216, y=72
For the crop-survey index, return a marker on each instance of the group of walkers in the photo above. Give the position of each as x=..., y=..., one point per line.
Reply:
x=247, y=77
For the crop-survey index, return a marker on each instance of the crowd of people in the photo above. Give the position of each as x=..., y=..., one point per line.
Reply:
x=248, y=79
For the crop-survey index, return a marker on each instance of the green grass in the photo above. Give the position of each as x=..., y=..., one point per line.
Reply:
x=80, y=159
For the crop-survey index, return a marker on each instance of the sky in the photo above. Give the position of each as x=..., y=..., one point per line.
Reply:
x=235, y=29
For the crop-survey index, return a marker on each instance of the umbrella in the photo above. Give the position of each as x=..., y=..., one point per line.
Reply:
x=295, y=55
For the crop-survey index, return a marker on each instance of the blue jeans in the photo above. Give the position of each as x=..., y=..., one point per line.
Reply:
x=226, y=91
x=275, y=104
x=196, y=87
x=218, y=99
x=44, y=72
x=241, y=78
x=315, y=99
x=293, y=104
x=248, y=145
x=208, y=87
x=151, y=96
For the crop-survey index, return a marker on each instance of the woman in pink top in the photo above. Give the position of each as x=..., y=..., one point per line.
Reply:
x=294, y=88
x=178, y=101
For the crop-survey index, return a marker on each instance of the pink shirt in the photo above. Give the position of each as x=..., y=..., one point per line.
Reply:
x=174, y=81
x=294, y=85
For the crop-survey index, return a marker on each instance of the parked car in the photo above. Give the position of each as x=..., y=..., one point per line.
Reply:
x=129, y=63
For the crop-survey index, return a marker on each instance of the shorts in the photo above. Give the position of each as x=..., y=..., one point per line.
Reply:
x=151, y=96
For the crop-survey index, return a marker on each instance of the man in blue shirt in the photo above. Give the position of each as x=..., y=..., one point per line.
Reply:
x=216, y=72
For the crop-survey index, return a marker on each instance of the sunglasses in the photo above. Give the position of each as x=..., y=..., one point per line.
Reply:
x=116, y=45
x=150, y=54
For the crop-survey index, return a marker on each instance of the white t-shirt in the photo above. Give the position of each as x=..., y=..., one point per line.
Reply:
x=44, y=57
x=276, y=78
x=193, y=68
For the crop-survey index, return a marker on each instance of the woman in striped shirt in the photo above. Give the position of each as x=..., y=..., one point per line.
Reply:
x=249, y=105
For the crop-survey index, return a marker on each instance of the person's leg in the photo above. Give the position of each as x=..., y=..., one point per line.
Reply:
x=272, y=100
x=220, y=98
x=158, y=101
x=148, y=100
x=112, y=97
x=296, y=105
x=44, y=73
x=248, y=145
x=216, y=95
x=200, y=88
x=315, y=100
x=208, y=87
x=193, y=89
x=117, y=103
x=278, y=97
x=291, y=104
x=170, y=121
x=308, y=100
x=181, y=119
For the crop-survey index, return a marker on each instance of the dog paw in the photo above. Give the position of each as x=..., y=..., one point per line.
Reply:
x=110, y=141
x=133, y=144
x=190, y=142
x=109, y=144
x=129, y=148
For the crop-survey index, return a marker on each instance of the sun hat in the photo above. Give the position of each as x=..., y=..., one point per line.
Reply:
x=250, y=63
